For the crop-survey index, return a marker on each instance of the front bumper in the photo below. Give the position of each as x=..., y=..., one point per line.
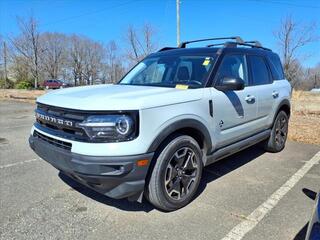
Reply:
x=116, y=177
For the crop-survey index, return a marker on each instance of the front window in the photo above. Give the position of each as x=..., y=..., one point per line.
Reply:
x=233, y=66
x=170, y=71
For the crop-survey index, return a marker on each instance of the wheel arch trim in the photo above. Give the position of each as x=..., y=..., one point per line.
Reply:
x=284, y=102
x=179, y=125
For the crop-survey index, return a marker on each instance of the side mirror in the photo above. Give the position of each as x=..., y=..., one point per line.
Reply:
x=230, y=84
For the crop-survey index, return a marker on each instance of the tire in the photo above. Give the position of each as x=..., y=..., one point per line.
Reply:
x=279, y=133
x=176, y=174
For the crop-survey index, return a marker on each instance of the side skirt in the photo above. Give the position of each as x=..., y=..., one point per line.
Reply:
x=236, y=147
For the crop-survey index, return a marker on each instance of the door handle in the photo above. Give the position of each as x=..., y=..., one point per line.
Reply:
x=250, y=98
x=275, y=94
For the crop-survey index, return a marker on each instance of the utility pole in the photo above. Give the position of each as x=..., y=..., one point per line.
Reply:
x=5, y=63
x=178, y=22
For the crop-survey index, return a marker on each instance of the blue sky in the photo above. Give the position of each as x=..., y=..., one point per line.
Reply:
x=108, y=20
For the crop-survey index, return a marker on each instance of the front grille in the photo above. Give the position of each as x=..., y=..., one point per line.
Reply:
x=71, y=131
x=52, y=141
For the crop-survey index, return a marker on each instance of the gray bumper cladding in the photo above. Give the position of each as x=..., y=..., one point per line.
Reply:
x=116, y=177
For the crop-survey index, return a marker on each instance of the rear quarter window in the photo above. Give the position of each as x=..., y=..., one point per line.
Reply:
x=276, y=67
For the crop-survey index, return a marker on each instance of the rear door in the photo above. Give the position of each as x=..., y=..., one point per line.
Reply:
x=233, y=111
x=261, y=81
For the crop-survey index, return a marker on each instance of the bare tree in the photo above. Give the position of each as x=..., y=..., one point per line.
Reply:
x=133, y=52
x=313, y=77
x=55, y=51
x=113, y=68
x=292, y=36
x=37, y=56
x=94, y=54
x=140, y=47
x=27, y=44
x=316, y=76
x=76, y=58
x=2, y=60
x=148, y=35
x=111, y=61
x=85, y=59
x=20, y=69
x=295, y=73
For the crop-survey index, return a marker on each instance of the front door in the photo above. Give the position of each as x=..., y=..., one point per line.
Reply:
x=233, y=111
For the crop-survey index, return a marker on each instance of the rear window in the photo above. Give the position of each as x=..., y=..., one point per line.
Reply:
x=276, y=67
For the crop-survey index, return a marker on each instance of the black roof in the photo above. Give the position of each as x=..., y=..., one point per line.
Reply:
x=187, y=51
x=200, y=51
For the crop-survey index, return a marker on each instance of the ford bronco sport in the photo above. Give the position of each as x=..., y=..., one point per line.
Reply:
x=177, y=111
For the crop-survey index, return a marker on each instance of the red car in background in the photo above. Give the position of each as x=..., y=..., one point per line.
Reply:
x=54, y=84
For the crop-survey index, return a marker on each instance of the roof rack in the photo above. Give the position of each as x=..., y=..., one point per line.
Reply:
x=237, y=38
x=230, y=44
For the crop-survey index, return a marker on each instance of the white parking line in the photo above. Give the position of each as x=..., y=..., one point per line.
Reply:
x=239, y=231
x=18, y=163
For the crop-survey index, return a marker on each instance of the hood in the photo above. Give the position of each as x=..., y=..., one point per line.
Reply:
x=118, y=97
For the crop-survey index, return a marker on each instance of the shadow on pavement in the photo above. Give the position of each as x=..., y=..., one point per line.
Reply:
x=227, y=165
x=122, y=204
x=210, y=173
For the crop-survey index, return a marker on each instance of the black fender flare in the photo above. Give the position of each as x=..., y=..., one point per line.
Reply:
x=284, y=102
x=180, y=124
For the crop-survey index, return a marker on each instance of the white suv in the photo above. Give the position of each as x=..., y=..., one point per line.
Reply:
x=175, y=112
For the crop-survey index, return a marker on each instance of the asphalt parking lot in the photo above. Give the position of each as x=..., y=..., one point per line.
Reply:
x=36, y=202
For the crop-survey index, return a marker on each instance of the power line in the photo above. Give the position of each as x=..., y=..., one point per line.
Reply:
x=90, y=13
x=285, y=3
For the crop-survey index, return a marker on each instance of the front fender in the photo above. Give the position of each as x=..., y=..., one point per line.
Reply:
x=179, y=123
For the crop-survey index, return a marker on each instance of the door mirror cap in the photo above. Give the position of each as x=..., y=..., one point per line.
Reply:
x=230, y=84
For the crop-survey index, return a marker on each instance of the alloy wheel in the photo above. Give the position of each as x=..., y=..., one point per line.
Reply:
x=181, y=173
x=281, y=131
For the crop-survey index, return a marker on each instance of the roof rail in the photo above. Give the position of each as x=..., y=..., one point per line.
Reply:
x=237, y=38
x=166, y=48
x=253, y=44
x=256, y=43
x=225, y=44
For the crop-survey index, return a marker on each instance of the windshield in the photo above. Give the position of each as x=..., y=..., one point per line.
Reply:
x=170, y=71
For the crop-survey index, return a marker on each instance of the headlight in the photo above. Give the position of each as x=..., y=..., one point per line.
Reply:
x=109, y=127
